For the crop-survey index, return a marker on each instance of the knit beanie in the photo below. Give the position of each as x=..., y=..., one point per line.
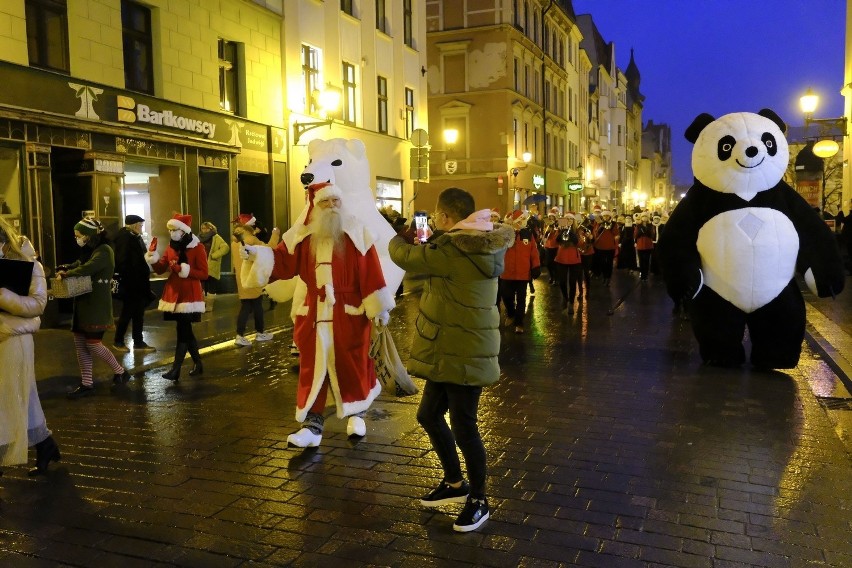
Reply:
x=89, y=227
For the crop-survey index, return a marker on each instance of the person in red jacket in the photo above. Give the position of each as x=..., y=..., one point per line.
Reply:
x=183, y=299
x=522, y=263
x=587, y=250
x=569, y=267
x=606, y=241
x=551, y=233
x=644, y=234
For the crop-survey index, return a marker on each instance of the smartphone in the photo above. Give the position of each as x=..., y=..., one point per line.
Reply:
x=421, y=226
x=153, y=246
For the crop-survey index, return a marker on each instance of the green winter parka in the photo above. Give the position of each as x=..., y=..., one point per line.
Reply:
x=458, y=335
x=93, y=311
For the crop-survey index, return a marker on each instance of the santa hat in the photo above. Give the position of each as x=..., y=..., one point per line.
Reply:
x=569, y=215
x=554, y=210
x=597, y=209
x=180, y=221
x=319, y=192
x=246, y=219
x=606, y=212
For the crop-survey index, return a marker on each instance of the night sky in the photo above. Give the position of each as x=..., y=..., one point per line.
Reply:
x=722, y=56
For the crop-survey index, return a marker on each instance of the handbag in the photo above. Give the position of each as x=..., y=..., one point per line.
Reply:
x=389, y=368
x=70, y=286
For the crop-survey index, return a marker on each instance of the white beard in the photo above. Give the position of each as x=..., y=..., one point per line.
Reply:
x=326, y=225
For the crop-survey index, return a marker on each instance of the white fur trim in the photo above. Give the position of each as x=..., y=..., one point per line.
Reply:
x=353, y=310
x=184, y=270
x=255, y=273
x=281, y=290
x=381, y=300
x=174, y=224
x=350, y=408
x=323, y=360
x=182, y=308
x=327, y=192
x=193, y=242
x=299, y=306
x=152, y=257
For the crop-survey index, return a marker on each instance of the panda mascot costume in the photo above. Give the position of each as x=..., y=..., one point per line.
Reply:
x=733, y=244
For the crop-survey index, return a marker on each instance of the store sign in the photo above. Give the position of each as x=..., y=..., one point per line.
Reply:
x=538, y=181
x=575, y=184
x=108, y=166
x=165, y=117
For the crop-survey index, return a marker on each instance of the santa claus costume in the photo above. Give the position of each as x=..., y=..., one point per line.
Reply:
x=183, y=298
x=340, y=290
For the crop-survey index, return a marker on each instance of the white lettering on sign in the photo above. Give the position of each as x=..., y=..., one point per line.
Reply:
x=168, y=118
x=109, y=166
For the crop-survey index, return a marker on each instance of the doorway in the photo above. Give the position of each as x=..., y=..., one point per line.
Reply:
x=215, y=205
x=255, y=196
x=72, y=199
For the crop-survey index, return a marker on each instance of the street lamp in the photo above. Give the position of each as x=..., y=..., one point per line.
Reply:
x=827, y=148
x=329, y=102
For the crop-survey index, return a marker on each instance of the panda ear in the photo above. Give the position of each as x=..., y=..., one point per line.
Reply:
x=770, y=114
x=700, y=123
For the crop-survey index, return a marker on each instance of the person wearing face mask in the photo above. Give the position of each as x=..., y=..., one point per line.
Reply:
x=217, y=249
x=135, y=283
x=183, y=299
x=93, y=311
x=20, y=408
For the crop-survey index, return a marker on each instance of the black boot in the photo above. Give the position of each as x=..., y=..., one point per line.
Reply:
x=197, y=366
x=46, y=452
x=180, y=354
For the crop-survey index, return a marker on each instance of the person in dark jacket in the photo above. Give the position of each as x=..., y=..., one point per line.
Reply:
x=93, y=311
x=135, y=285
x=457, y=341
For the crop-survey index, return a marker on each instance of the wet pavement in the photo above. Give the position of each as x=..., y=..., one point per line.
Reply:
x=609, y=445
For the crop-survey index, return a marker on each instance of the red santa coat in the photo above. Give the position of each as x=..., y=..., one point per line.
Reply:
x=338, y=296
x=521, y=258
x=182, y=293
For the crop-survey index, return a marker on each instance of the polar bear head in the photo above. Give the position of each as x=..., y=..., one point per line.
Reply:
x=742, y=153
x=343, y=163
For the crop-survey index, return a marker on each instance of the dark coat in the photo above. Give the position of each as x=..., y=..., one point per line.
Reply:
x=130, y=263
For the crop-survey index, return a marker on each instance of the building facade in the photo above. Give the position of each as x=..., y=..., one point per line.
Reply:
x=655, y=171
x=357, y=69
x=505, y=77
x=118, y=107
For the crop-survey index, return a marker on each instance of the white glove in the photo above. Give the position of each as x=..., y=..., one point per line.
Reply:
x=152, y=257
x=382, y=319
x=184, y=270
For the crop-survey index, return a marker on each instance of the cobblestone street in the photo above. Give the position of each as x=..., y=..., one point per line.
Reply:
x=609, y=445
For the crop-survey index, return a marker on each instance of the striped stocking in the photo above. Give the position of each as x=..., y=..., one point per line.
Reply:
x=99, y=350
x=84, y=359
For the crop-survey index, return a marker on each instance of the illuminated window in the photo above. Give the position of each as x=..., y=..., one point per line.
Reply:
x=349, y=87
x=229, y=99
x=409, y=113
x=310, y=74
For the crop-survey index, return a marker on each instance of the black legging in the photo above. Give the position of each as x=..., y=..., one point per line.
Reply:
x=247, y=307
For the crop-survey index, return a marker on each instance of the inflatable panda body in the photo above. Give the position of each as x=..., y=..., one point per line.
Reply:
x=734, y=243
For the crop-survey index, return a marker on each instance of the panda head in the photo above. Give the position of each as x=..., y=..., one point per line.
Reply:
x=742, y=152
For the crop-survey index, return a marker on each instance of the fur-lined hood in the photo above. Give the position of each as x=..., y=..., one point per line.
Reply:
x=481, y=242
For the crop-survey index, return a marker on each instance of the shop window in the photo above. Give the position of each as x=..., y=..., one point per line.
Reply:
x=10, y=185
x=389, y=193
x=349, y=86
x=409, y=113
x=153, y=191
x=230, y=77
x=138, y=50
x=311, y=76
x=47, y=34
x=382, y=88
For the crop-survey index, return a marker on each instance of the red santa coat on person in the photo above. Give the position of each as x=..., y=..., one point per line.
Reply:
x=182, y=293
x=338, y=295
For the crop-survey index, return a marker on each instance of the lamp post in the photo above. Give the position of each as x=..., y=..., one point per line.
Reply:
x=329, y=102
x=824, y=149
x=451, y=136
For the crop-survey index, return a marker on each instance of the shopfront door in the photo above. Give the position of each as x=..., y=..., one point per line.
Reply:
x=255, y=196
x=215, y=205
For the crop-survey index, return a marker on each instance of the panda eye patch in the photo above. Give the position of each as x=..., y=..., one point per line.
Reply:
x=726, y=147
x=769, y=141
x=337, y=163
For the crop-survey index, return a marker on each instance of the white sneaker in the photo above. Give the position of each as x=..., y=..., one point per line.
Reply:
x=356, y=427
x=304, y=438
x=263, y=337
x=242, y=341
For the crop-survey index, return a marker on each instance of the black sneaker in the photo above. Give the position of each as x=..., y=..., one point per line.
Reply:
x=444, y=494
x=142, y=346
x=475, y=513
